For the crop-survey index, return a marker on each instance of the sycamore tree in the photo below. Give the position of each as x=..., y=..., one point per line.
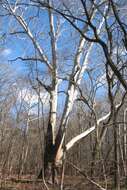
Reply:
x=111, y=40
x=59, y=41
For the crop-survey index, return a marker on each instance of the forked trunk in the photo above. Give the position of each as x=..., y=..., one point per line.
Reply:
x=51, y=164
x=54, y=147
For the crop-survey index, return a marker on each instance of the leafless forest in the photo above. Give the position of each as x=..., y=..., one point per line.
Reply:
x=63, y=94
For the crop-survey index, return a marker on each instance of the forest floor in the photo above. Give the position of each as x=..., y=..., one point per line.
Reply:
x=30, y=183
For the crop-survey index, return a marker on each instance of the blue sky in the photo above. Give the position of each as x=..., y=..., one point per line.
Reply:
x=22, y=46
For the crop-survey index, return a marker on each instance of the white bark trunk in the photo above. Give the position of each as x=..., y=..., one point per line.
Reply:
x=53, y=94
x=79, y=137
x=75, y=80
x=24, y=25
x=53, y=111
x=77, y=75
x=88, y=131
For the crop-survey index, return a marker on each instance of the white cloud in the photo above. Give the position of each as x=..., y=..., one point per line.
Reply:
x=6, y=51
x=31, y=98
x=120, y=51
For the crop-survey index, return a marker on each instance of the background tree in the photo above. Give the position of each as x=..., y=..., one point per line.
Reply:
x=68, y=43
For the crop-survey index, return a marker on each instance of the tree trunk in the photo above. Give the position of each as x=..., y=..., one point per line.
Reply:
x=116, y=154
x=125, y=144
x=125, y=135
x=54, y=151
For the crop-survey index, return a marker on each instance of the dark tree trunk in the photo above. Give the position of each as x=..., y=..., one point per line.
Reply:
x=50, y=151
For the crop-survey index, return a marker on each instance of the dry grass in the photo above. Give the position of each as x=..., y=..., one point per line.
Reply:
x=30, y=183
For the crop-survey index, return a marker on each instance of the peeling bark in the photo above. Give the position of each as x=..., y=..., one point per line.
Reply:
x=72, y=92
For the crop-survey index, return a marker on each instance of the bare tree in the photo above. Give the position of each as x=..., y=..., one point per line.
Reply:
x=93, y=27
